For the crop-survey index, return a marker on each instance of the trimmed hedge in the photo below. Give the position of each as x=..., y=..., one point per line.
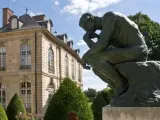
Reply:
x=97, y=106
x=15, y=107
x=3, y=115
x=68, y=98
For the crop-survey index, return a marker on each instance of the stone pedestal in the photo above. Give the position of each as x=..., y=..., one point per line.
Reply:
x=131, y=113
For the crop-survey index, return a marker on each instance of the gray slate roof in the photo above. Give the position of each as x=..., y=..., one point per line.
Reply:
x=28, y=23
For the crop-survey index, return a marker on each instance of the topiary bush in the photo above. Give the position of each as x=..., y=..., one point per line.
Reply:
x=15, y=107
x=3, y=115
x=97, y=106
x=68, y=98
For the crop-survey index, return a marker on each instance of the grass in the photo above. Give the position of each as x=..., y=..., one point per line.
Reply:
x=90, y=103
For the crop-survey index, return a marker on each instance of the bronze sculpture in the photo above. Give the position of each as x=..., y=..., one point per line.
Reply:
x=119, y=43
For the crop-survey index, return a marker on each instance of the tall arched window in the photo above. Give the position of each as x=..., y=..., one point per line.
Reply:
x=2, y=95
x=51, y=60
x=66, y=66
x=25, y=93
x=2, y=58
x=73, y=75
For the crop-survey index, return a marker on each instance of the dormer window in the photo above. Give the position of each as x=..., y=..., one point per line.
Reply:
x=49, y=25
x=70, y=43
x=14, y=24
x=77, y=51
x=64, y=38
x=13, y=20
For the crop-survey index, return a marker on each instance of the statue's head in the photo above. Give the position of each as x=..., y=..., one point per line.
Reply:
x=87, y=22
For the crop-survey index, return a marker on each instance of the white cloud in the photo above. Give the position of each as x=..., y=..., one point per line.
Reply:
x=56, y=3
x=90, y=80
x=84, y=51
x=81, y=43
x=33, y=14
x=99, y=13
x=80, y=6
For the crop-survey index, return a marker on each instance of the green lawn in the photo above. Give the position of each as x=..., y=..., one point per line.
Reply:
x=90, y=103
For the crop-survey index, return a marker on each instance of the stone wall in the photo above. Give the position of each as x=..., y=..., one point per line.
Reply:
x=131, y=113
x=13, y=76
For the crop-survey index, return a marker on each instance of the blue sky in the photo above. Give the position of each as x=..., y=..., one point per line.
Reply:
x=65, y=16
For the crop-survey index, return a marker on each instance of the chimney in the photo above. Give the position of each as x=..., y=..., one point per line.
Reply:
x=39, y=17
x=7, y=13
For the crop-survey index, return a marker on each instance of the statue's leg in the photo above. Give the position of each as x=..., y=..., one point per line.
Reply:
x=107, y=69
x=104, y=78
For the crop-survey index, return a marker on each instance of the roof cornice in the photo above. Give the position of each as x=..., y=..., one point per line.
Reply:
x=45, y=32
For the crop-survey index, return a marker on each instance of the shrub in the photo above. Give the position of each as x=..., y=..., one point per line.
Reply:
x=68, y=98
x=15, y=107
x=97, y=106
x=3, y=115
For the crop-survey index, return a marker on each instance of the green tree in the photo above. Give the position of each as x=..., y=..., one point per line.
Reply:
x=97, y=106
x=15, y=107
x=91, y=94
x=108, y=94
x=68, y=98
x=102, y=99
x=151, y=33
x=3, y=115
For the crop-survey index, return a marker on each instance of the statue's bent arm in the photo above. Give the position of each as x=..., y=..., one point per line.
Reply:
x=118, y=55
x=108, y=27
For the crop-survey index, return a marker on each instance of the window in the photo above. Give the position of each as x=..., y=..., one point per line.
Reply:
x=51, y=61
x=73, y=74
x=66, y=66
x=51, y=88
x=2, y=58
x=25, y=56
x=49, y=27
x=25, y=92
x=14, y=24
x=2, y=95
x=64, y=39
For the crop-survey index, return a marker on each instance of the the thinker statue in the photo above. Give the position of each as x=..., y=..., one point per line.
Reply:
x=119, y=41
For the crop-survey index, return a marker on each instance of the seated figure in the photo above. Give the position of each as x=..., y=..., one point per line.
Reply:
x=119, y=41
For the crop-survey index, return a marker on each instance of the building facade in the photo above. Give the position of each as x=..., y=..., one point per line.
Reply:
x=33, y=61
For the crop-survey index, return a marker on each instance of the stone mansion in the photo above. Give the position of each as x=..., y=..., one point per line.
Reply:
x=33, y=61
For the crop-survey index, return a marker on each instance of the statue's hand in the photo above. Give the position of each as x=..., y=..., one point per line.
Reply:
x=87, y=67
x=94, y=35
x=90, y=35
